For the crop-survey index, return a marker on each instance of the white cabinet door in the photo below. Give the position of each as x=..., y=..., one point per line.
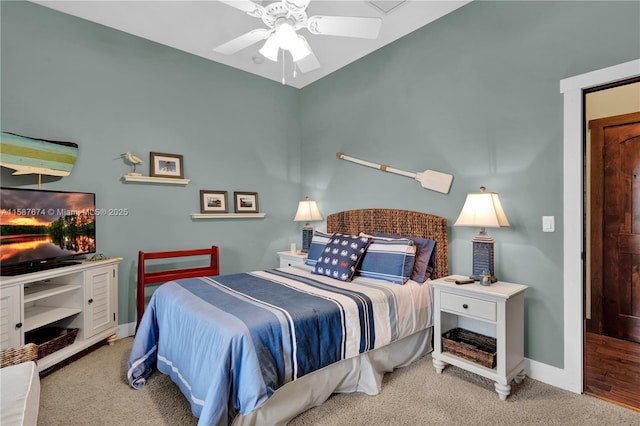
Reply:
x=101, y=300
x=10, y=314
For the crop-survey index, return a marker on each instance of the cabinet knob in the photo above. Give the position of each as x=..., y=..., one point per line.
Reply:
x=90, y=301
x=465, y=306
x=19, y=325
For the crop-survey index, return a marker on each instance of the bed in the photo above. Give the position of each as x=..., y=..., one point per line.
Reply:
x=263, y=346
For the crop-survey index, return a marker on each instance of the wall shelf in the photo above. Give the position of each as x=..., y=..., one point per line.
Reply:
x=150, y=179
x=228, y=215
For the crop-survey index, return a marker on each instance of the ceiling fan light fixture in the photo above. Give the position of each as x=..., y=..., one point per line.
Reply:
x=300, y=49
x=285, y=35
x=270, y=49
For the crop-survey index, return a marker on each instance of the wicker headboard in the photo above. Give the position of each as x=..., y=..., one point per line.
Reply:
x=398, y=222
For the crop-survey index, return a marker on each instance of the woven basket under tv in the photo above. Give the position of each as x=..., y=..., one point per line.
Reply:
x=51, y=339
x=470, y=346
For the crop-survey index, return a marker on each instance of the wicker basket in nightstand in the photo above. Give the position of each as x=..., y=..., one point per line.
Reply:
x=471, y=346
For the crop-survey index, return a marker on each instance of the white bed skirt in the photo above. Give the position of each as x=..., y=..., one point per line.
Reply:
x=360, y=374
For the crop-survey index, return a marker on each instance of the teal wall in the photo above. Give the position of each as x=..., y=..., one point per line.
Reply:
x=64, y=78
x=475, y=94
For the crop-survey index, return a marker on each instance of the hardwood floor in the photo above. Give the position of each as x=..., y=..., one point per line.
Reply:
x=612, y=370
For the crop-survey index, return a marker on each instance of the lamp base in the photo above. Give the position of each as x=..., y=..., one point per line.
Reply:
x=307, y=236
x=483, y=260
x=492, y=279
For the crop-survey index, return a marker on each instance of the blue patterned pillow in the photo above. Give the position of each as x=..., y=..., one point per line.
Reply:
x=389, y=259
x=425, y=256
x=318, y=243
x=341, y=256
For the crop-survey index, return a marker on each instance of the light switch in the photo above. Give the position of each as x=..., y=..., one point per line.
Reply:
x=548, y=224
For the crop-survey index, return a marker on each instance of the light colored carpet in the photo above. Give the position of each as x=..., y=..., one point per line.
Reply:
x=93, y=391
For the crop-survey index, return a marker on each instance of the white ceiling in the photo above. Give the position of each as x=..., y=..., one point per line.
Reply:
x=198, y=26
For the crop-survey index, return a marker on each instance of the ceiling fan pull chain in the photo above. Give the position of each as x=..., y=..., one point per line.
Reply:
x=283, y=82
x=295, y=67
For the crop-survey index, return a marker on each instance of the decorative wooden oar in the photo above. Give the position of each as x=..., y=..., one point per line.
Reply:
x=429, y=179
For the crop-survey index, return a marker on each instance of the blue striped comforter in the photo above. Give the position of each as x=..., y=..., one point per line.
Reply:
x=230, y=341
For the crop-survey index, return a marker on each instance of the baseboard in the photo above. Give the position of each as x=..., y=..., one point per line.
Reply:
x=126, y=330
x=550, y=375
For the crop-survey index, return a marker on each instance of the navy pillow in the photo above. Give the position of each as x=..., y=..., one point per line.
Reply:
x=425, y=256
x=389, y=259
x=341, y=256
x=318, y=243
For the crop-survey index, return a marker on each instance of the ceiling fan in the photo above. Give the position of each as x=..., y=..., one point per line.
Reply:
x=283, y=19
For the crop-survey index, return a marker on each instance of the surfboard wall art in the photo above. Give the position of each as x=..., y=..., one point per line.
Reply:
x=37, y=156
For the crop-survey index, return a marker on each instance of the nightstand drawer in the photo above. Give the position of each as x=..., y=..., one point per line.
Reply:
x=468, y=306
x=288, y=258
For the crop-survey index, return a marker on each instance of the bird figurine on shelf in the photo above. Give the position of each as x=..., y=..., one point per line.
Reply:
x=134, y=161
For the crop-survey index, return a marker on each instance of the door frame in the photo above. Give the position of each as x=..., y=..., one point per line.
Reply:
x=570, y=377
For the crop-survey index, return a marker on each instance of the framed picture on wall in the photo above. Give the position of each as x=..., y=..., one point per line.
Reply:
x=213, y=201
x=167, y=165
x=246, y=202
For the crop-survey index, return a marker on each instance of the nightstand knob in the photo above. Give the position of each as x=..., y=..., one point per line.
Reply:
x=465, y=306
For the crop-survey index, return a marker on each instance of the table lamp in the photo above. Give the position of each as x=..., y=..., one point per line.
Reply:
x=482, y=209
x=307, y=212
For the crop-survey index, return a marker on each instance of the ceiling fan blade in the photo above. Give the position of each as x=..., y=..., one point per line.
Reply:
x=308, y=63
x=242, y=42
x=246, y=6
x=345, y=26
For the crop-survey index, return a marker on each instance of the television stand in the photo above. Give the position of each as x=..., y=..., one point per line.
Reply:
x=81, y=296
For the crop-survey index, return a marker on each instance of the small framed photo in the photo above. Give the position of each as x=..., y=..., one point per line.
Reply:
x=166, y=165
x=246, y=202
x=213, y=201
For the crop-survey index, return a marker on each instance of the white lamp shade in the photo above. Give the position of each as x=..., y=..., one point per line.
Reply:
x=270, y=49
x=285, y=35
x=307, y=211
x=482, y=209
x=299, y=49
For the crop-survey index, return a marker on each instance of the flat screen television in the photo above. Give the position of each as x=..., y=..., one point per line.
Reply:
x=39, y=229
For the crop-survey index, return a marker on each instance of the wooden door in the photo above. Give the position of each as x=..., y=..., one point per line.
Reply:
x=615, y=226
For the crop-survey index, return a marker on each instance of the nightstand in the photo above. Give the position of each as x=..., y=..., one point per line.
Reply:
x=288, y=258
x=496, y=311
